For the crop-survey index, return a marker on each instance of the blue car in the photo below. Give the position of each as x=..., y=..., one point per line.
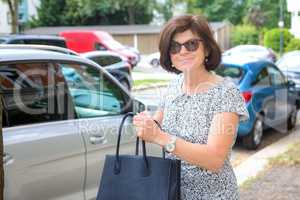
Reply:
x=270, y=98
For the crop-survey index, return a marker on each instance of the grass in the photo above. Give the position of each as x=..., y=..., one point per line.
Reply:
x=290, y=157
x=147, y=82
x=249, y=182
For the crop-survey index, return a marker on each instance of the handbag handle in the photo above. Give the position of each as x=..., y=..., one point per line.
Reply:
x=117, y=168
x=137, y=143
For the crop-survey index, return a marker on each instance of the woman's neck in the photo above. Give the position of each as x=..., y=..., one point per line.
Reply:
x=196, y=79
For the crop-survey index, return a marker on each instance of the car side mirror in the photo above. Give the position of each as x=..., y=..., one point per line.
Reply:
x=138, y=106
x=291, y=83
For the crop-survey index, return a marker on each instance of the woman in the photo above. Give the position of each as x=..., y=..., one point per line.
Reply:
x=200, y=112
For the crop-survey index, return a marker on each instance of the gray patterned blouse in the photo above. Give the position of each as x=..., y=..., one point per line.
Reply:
x=189, y=117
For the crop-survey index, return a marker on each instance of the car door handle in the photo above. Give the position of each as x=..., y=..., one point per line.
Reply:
x=97, y=139
x=7, y=158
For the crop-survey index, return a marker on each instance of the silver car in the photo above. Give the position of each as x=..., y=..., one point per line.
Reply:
x=61, y=116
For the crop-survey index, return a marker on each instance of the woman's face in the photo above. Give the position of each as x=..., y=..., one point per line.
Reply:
x=190, y=56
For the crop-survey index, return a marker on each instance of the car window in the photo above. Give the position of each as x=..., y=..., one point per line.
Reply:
x=16, y=42
x=235, y=73
x=29, y=93
x=100, y=47
x=277, y=78
x=106, y=60
x=59, y=43
x=93, y=94
x=2, y=41
x=262, y=79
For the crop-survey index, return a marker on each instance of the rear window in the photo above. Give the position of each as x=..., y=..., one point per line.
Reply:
x=233, y=72
x=28, y=94
x=58, y=43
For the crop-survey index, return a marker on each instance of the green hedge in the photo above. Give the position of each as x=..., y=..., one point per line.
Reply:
x=294, y=44
x=272, y=38
x=244, y=34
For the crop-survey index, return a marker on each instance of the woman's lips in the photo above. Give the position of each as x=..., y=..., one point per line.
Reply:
x=186, y=61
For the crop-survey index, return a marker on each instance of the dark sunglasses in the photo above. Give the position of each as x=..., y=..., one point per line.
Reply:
x=190, y=45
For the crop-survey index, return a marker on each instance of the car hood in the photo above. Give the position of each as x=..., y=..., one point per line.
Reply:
x=127, y=52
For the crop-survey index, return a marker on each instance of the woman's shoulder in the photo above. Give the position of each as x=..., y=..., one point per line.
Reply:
x=226, y=88
x=228, y=83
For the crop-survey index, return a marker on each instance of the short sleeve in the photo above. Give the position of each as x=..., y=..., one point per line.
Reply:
x=231, y=100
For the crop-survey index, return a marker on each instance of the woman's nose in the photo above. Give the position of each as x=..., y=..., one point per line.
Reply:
x=183, y=50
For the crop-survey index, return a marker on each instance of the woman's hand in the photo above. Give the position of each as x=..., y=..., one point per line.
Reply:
x=147, y=129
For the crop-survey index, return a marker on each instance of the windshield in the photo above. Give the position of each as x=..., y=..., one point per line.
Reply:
x=2, y=41
x=289, y=63
x=233, y=72
x=113, y=44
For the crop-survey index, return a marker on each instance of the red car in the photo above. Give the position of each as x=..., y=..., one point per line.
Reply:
x=85, y=41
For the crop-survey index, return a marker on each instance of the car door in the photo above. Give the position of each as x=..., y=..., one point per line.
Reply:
x=43, y=150
x=264, y=100
x=100, y=104
x=281, y=90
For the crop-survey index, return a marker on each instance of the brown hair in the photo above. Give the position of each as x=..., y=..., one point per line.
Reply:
x=198, y=25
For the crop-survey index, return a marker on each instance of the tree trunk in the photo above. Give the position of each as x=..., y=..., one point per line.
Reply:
x=15, y=17
x=130, y=11
x=14, y=12
x=1, y=150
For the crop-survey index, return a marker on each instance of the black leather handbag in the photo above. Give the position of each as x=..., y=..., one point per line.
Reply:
x=139, y=177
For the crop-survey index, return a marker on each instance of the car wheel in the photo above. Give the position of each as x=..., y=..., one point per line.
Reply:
x=254, y=138
x=292, y=120
x=154, y=62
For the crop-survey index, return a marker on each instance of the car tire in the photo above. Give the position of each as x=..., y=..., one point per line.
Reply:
x=154, y=62
x=254, y=138
x=292, y=120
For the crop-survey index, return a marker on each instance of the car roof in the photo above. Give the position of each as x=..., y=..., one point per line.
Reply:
x=102, y=53
x=27, y=54
x=40, y=47
x=40, y=37
x=250, y=46
x=246, y=62
x=291, y=53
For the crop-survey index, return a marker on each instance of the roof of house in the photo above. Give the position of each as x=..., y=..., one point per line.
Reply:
x=113, y=29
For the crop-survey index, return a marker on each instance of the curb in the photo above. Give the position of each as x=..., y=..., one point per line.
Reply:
x=259, y=161
x=149, y=87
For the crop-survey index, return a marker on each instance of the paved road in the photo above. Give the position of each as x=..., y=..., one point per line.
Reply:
x=239, y=152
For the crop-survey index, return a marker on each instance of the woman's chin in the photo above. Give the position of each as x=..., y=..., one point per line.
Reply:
x=187, y=68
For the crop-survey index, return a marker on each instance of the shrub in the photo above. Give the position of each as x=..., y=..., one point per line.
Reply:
x=272, y=38
x=294, y=44
x=245, y=34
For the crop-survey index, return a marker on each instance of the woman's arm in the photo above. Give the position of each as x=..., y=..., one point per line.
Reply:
x=210, y=156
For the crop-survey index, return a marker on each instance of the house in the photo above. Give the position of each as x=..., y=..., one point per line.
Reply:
x=27, y=10
x=294, y=8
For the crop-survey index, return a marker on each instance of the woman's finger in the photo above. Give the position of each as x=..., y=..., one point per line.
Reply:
x=139, y=123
